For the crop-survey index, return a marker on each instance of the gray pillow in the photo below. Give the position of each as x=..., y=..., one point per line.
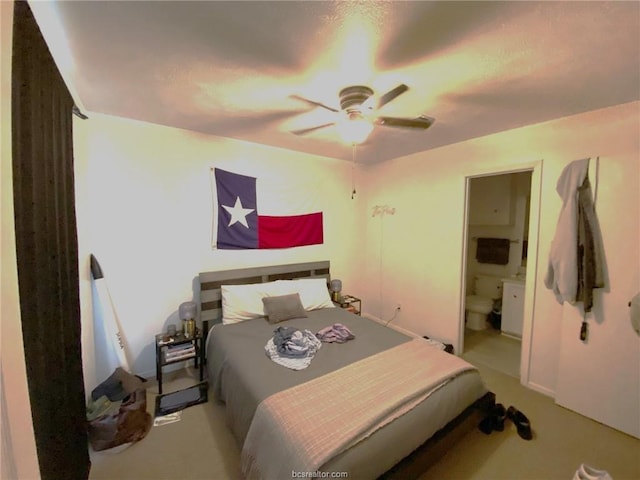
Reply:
x=283, y=307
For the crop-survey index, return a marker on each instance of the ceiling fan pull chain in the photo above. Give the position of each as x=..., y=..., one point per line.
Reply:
x=353, y=174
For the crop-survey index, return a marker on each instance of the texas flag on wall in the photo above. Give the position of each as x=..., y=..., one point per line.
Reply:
x=254, y=213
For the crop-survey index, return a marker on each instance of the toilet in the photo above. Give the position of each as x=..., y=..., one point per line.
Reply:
x=487, y=289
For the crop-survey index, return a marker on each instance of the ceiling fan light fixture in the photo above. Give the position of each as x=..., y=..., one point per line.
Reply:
x=357, y=115
x=354, y=128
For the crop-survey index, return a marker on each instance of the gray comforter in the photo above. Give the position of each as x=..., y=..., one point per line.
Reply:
x=241, y=373
x=243, y=376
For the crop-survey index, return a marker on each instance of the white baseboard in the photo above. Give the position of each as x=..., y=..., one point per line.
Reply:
x=540, y=389
x=391, y=325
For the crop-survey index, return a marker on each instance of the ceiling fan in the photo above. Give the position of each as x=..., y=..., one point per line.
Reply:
x=357, y=114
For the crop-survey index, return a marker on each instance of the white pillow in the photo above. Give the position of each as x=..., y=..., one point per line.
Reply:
x=244, y=302
x=314, y=293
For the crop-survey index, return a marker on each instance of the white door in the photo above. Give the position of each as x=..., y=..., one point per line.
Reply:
x=600, y=377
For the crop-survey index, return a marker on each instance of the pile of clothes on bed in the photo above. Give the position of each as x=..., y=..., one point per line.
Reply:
x=294, y=348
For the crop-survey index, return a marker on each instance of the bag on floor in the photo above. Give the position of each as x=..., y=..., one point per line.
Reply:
x=130, y=424
x=119, y=384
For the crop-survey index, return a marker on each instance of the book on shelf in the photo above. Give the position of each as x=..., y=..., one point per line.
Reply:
x=179, y=355
x=180, y=347
x=179, y=351
x=348, y=300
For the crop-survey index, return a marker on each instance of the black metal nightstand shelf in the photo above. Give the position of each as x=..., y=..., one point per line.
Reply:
x=178, y=349
x=351, y=303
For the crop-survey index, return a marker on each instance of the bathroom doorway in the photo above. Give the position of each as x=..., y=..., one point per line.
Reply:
x=497, y=234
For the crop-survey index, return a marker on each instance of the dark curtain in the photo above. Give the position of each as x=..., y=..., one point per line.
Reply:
x=47, y=252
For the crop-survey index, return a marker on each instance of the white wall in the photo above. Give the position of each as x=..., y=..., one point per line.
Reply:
x=147, y=218
x=422, y=242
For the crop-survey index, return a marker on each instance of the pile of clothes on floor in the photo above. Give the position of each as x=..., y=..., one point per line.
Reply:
x=294, y=348
x=117, y=412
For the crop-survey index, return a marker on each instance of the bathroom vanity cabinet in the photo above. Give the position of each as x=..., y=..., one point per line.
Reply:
x=512, y=307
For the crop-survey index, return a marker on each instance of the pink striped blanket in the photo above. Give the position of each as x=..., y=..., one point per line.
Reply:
x=303, y=427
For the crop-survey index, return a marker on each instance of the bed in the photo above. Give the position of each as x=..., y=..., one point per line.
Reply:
x=415, y=400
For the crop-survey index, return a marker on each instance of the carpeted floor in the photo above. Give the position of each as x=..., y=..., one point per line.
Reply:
x=562, y=441
x=201, y=447
x=198, y=447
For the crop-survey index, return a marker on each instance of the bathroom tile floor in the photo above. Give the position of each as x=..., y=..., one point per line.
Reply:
x=492, y=349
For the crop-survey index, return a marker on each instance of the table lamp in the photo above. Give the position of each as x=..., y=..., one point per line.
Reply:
x=187, y=312
x=336, y=288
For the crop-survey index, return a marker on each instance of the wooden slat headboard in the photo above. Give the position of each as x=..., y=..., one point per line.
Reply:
x=210, y=282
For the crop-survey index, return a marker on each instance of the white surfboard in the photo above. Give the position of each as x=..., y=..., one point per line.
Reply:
x=109, y=314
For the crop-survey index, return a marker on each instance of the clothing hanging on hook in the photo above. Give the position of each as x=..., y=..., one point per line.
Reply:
x=590, y=250
x=576, y=259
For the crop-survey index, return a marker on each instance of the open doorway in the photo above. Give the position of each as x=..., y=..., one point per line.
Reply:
x=495, y=269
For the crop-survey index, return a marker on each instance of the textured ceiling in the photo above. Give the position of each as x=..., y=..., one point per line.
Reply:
x=231, y=68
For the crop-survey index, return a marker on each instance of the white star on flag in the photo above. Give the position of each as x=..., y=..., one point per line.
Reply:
x=238, y=213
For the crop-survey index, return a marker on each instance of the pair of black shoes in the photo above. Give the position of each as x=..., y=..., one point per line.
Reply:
x=495, y=421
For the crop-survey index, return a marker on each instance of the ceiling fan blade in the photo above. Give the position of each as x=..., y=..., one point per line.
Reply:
x=391, y=94
x=314, y=103
x=304, y=131
x=422, y=122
